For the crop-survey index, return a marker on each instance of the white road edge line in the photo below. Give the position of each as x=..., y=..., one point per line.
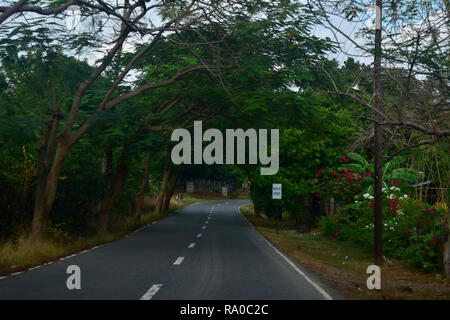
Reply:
x=178, y=261
x=34, y=268
x=191, y=245
x=315, y=285
x=151, y=292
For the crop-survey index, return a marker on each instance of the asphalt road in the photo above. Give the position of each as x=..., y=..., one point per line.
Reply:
x=205, y=251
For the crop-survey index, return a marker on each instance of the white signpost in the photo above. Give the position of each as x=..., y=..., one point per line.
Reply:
x=225, y=191
x=276, y=191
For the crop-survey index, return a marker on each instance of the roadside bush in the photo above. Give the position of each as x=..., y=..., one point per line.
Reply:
x=413, y=231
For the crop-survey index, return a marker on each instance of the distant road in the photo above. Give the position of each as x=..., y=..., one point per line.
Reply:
x=205, y=251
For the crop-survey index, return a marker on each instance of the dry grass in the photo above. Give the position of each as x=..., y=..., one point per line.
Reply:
x=22, y=253
x=342, y=265
x=25, y=252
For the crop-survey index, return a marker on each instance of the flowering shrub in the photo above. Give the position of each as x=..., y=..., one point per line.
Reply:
x=343, y=186
x=354, y=178
x=412, y=231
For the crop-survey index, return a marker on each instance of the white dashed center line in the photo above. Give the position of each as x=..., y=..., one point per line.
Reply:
x=191, y=245
x=151, y=292
x=178, y=261
x=199, y=235
x=204, y=227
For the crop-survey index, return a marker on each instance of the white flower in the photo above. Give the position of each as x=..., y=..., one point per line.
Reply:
x=366, y=195
x=370, y=197
x=391, y=196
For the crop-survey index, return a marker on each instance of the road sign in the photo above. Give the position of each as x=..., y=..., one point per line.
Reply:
x=276, y=191
x=190, y=186
x=225, y=191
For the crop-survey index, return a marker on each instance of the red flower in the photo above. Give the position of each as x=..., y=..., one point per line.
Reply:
x=372, y=204
x=406, y=231
x=434, y=240
x=335, y=234
x=318, y=195
x=344, y=159
x=369, y=174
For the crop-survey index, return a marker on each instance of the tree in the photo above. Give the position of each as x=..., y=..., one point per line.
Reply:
x=413, y=46
x=124, y=21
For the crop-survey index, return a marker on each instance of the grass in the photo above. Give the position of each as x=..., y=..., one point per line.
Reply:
x=21, y=253
x=342, y=265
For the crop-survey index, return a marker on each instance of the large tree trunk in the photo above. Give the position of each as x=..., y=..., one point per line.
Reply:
x=162, y=190
x=45, y=150
x=45, y=195
x=169, y=193
x=378, y=147
x=113, y=191
x=142, y=187
x=447, y=247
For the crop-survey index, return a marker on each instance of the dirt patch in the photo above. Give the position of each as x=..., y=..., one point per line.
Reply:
x=342, y=266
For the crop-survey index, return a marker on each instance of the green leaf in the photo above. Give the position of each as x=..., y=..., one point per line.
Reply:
x=392, y=163
x=358, y=158
x=404, y=174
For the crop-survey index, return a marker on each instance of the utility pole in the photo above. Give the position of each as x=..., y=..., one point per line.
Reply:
x=378, y=95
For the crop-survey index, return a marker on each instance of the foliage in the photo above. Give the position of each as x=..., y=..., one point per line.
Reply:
x=413, y=231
